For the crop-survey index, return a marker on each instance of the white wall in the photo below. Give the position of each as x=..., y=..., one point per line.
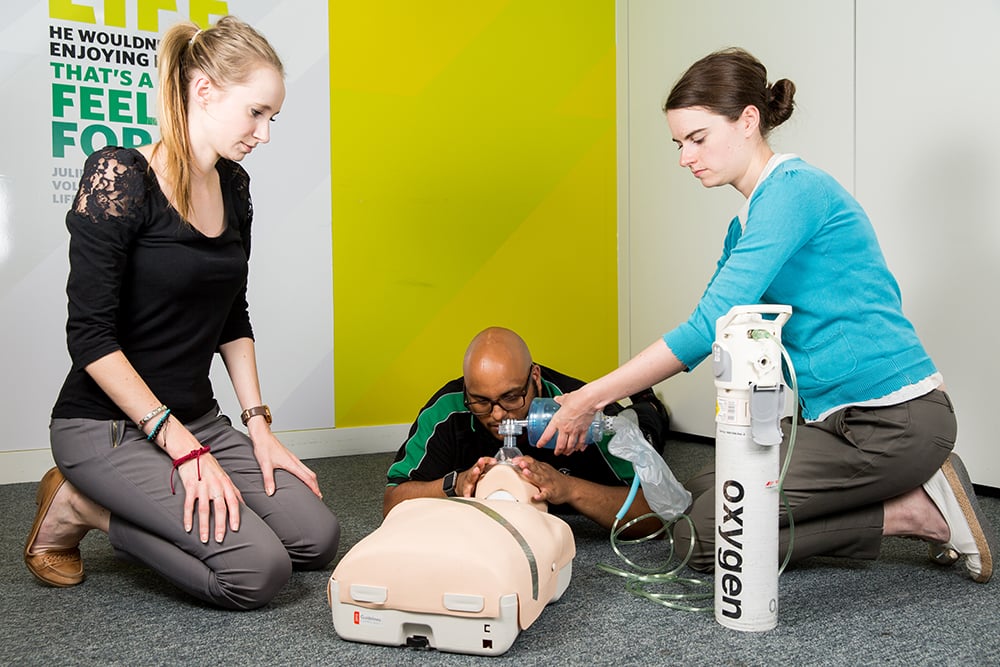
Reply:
x=928, y=166
x=900, y=111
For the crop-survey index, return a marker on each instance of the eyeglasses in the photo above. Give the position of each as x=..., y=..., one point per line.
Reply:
x=510, y=401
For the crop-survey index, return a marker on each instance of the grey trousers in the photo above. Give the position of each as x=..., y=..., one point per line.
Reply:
x=842, y=471
x=112, y=463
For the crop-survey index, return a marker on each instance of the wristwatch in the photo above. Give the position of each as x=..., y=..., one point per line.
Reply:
x=253, y=412
x=449, y=484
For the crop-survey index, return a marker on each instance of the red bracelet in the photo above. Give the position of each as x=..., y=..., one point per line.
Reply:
x=193, y=454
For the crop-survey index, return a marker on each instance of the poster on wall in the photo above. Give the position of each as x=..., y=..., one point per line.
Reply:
x=81, y=74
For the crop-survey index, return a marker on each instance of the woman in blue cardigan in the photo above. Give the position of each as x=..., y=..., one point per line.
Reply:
x=873, y=456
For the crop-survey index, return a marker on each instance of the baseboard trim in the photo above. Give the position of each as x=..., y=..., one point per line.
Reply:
x=29, y=465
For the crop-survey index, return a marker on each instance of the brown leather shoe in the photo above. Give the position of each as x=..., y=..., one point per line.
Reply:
x=56, y=567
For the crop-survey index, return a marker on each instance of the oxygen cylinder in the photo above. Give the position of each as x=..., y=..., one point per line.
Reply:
x=750, y=402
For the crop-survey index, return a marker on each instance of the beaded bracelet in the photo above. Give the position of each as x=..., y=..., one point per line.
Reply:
x=193, y=454
x=159, y=425
x=152, y=413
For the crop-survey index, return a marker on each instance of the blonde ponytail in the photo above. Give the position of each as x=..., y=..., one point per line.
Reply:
x=227, y=53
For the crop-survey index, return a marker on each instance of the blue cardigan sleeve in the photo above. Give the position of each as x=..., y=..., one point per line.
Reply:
x=785, y=211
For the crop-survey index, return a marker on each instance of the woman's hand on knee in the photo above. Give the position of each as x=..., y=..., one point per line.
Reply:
x=206, y=483
x=271, y=455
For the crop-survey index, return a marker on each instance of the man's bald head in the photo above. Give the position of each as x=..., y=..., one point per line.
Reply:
x=494, y=349
x=498, y=371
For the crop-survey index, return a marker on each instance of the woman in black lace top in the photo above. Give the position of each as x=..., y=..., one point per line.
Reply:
x=159, y=242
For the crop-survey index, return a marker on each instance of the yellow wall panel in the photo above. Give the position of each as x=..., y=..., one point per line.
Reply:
x=473, y=167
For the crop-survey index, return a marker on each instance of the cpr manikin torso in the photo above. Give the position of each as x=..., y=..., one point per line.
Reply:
x=457, y=574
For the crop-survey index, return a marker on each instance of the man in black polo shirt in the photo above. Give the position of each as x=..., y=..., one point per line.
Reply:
x=456, y=435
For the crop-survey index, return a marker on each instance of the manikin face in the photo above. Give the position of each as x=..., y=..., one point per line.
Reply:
x=237, y=118
x=713, y=147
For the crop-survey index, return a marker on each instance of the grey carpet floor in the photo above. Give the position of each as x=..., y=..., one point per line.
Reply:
x=898, y=610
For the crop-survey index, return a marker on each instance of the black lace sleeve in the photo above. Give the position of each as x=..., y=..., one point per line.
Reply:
x=236, y=183
x=113, y=185
x=108, y=211
x=239, y=182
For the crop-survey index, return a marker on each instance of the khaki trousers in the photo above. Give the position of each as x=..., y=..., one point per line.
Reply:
x=842, y=470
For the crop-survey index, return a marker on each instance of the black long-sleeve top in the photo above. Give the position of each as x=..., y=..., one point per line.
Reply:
x=143, y=281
